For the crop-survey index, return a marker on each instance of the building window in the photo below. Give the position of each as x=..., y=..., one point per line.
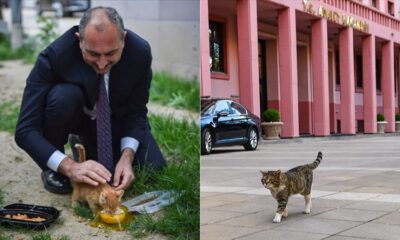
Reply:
x=337, y=67
x=359, y=70
x=217, y=47
x=373, y=3
x=378, y=74
x=390, y=8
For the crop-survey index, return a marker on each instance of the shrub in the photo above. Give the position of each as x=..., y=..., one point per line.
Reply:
x=271, y=115
x=380, y=117
x=397, y=117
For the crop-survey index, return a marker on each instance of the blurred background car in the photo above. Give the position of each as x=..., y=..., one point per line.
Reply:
x=63, y=8
x=225, y=122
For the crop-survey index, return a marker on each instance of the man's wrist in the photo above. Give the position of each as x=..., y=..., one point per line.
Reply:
x=65, y=166
x=129, y=153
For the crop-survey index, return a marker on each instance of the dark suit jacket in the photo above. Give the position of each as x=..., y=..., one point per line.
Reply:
x=62, y=62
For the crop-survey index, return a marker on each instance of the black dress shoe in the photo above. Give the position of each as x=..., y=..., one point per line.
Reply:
x=56, y=182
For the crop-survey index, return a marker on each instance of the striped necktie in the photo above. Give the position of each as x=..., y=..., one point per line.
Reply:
x=103, y=124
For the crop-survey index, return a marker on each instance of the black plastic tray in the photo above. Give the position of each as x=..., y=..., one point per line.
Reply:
x=49, y=213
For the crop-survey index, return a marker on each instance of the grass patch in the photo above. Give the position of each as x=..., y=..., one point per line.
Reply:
x=8, y=116
x=84, y=211
x=26, y=52
x=179, y=142
x=175, y=92
x=2, y=237
x=47, y=236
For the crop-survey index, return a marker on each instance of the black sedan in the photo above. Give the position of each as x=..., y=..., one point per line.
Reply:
x=225, y=122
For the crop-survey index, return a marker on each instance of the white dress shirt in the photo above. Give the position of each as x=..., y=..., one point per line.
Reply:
x=126, y=142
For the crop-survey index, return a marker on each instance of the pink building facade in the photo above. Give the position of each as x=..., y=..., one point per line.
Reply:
x=328, y=66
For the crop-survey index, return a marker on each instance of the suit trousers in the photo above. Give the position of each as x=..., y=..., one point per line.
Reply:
x=64, y=115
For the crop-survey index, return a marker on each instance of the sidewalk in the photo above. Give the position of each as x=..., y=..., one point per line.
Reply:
x=356, y=192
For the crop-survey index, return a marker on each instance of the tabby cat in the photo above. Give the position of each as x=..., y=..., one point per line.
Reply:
x=101, y=197
x=297, y=180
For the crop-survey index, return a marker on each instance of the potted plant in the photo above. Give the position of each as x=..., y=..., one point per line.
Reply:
x=397, y=118
x=271, y=124
x=381, y=123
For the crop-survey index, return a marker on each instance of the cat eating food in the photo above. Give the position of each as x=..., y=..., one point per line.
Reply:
x=297, y=180
x=101, y=197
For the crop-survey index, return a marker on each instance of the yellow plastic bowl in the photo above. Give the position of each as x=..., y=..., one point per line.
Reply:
x=113, y=218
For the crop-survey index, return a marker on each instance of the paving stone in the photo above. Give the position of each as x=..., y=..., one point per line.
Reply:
x=352, y=196
x=392, y=218
x=232, y=197
x=205, y=203
x=213, y=216
x=351, y=215
x=340, y=237
x=245, y=207
x=221, y=232
x=318, y=225
x=374, y=231
x=395, y=198
x=283, y=235
x=373, y=206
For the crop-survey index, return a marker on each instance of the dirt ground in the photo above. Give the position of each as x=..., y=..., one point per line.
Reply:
x=20, y=176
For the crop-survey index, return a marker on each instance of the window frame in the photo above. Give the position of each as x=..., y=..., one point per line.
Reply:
x=221, y=75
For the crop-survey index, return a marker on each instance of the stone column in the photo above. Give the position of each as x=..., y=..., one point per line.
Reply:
x=288, y=72
x=248, y=55
x=205, y=75
x=388, y=85
x=319, y=51
x=347, y=94
x=369, y=83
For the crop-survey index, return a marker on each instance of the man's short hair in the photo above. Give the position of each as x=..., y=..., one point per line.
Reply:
x=111, y=14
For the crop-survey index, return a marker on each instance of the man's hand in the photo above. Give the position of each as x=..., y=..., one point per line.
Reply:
x=90, y=172
x=123, y=175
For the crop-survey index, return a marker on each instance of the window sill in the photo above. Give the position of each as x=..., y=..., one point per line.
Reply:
x=220, y=76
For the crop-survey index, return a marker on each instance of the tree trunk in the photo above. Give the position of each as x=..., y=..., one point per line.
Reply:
x=16, y=34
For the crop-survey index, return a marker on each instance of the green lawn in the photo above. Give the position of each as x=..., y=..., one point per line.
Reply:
x=175, y=92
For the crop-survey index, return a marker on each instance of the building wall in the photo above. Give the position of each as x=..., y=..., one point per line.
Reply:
x=170, y=26
x=385, y=30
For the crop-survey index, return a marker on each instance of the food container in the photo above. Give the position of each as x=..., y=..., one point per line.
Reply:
x=49, y=214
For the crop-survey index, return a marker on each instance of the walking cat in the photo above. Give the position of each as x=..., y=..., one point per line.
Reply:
x=297, y=180
x=98, y=197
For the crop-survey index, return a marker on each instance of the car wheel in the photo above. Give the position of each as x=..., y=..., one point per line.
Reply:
x=252, y=141
x=206, y=141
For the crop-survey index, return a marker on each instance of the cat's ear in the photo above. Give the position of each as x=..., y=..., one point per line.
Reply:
x=102, y=198
x=119, y=194
x=263, y=172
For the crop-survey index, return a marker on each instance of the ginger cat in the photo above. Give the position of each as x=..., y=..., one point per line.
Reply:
x=101, y=197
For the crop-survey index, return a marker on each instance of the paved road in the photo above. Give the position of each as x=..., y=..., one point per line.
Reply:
x=356, y=193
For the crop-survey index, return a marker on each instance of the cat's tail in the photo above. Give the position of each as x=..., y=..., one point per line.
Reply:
x=81, y=151
x=317, y=161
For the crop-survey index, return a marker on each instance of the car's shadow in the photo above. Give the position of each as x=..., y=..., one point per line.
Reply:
x=221, y=151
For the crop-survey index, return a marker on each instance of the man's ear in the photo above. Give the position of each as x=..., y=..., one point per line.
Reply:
x=79, y=39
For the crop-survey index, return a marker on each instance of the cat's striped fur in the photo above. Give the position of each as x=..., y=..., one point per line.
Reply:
x=297, y=180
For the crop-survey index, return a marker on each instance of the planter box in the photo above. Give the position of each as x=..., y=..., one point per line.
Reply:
x=381, y=126
x=272, y=130
x=397, y=126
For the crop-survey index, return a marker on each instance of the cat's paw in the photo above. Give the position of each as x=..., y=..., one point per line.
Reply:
x=277, y=218
x=285, y=213
x=307, y=211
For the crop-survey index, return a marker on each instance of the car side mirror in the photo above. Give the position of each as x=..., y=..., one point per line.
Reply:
x=222, y=114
